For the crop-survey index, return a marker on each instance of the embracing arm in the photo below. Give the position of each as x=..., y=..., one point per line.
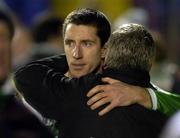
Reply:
x=117, y=94
x=33, y=81
x=45, y=87
x=121, y=94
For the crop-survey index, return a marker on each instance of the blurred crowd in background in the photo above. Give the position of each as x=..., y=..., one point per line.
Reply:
x=39, y=23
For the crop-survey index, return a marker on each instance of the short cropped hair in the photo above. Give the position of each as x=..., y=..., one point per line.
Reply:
x=90, y=17
x=8, y=21
x=130, y=46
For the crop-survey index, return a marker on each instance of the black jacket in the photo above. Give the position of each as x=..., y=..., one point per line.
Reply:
x=55, y=96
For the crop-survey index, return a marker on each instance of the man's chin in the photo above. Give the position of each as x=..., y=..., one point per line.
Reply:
x=78, y=74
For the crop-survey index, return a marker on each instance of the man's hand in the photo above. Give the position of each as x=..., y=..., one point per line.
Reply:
x=117, y=94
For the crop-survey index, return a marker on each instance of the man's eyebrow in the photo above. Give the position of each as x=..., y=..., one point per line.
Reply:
x=68, y=40
x=88, y=40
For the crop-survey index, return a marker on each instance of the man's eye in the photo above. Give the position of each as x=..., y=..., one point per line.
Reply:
x=87, y=44
x=70, y=43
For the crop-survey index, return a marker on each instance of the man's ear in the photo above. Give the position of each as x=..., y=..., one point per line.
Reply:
x=103, y=51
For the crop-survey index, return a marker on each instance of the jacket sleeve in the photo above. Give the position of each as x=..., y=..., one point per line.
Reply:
x=44, y=86
x=167, y=103
x=31, y=82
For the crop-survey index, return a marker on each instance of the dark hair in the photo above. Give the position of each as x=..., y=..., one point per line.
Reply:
x=47, y=27
x=8, y=21
x=91, y=17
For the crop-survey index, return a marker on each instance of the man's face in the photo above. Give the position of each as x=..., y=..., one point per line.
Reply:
x=4, y=51
x=82, y=48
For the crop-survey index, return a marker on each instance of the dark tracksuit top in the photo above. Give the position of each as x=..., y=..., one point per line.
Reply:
x=55, y=96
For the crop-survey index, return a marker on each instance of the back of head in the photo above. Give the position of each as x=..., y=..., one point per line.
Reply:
x=130, y=46
x=90, y=17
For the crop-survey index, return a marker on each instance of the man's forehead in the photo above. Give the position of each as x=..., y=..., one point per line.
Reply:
x=84, y=32
x=81, y=27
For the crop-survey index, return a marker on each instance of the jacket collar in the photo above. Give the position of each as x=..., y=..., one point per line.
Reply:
x=131, y=76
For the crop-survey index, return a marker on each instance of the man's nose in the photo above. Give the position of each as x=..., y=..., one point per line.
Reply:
x=77, y=52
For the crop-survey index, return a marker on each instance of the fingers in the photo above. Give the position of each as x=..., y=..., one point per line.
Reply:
x=100, y=88
x=100, y=103
x=96, y=98
x=106, y=110
x=95, y=90
x=109, y=80
x=103, y=94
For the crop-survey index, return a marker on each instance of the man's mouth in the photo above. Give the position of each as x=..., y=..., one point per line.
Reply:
x=77, y=66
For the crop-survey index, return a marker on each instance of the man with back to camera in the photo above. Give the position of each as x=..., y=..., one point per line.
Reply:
x=89, y=30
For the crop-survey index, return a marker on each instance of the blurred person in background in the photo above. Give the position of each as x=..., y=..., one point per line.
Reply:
x=163, y=70
x=47, y=37
x=26, y=13
x=172, y=127
x=16, y=121
x=44, y=39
